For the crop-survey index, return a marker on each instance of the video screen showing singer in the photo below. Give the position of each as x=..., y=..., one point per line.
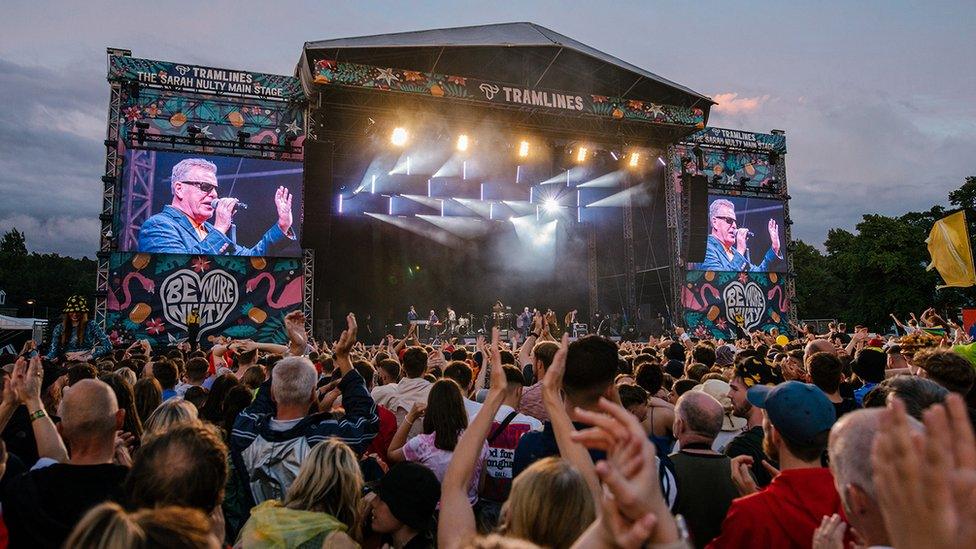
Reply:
x=185, y=227
x=727, y=248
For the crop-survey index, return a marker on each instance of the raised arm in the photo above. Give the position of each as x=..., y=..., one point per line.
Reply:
x=27, y=384
x=457, y=523
x=295, y=328
x=562, y=426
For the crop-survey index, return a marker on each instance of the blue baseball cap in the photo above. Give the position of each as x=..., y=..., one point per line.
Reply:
x=799, y=411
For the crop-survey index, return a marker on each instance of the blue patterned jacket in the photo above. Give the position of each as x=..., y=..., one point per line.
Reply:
x=717, y=260
x=171, y=232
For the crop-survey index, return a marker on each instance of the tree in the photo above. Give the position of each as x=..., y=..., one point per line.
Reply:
x=818, y=290
x=13, y=244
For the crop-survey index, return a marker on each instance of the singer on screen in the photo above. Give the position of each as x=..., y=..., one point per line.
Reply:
x=184, y=226
x=727, y=248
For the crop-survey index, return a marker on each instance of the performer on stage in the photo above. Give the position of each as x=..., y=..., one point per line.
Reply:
x=551, y=321
x=412, y=315
x=432, y=319
x=570, y=319
x=727, y=248
x=183, y=227
x=524, y=322
x=193, y=327
x=76, y=338
x=451, y=321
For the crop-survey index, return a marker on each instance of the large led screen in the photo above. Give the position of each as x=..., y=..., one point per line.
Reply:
x=744, y=234
x=180, y=203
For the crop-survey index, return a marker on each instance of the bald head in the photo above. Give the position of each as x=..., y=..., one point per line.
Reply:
x=701, y=414
x=849, y=448
x=89, y=410
x=819, y=346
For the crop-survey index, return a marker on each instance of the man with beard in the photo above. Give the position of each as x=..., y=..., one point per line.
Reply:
x=796, y=421
x=750, y=371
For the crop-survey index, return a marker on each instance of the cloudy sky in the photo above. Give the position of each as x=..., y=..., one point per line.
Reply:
x=876, y=97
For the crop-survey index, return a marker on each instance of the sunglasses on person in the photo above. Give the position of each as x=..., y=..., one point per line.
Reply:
x=202, y=185
x=729, y=220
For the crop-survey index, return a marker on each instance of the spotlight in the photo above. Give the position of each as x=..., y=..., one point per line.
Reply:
x=523, y=150
x=634, y=159
x=462, y=142
x=399, y=137
x=661, y=161
x=551, y=205
x=581, y=154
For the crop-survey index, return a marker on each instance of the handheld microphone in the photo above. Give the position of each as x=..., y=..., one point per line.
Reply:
x=750, y=234
x=240, y=205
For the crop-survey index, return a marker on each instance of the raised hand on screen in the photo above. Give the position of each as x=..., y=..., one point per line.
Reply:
x=283, y=205
x=774, y=235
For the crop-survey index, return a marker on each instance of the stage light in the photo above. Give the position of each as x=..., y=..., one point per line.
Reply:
x=462, y=143
x=614, y=155
x=634, y=159
x=581, y=154
x=399, y=136
x=551, y=205
x=661, y=161
x=141, y=128
x=523, y=150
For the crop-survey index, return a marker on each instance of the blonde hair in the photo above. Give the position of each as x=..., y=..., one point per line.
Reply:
x=330, y=481
x=108, y=526
x=529, y=513
x=167, y=415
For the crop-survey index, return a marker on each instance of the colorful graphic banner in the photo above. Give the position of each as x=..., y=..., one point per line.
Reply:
x=150, y=295
x=330, y=72
x=220, y=118
x=750, y=170
x=179, y=76
x=721, y=137
x=715, y=302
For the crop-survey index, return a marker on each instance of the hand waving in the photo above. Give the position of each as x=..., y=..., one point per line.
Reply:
x=283, y=205
x=344, y=345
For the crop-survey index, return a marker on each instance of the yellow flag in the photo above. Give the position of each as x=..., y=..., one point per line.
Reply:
x=951, y=253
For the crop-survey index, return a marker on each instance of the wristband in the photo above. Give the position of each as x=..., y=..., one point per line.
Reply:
x=38, y=415
x=533, y=334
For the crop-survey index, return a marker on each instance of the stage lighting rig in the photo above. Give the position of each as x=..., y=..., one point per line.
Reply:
x=699, y=157
x=523, y=149
x=462, y=142
x=195, y=132
x=634, y=159
x=399, y=136
x=581, y=154
x=141, y=128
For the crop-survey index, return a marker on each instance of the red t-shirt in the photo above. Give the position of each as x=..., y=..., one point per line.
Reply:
x=784, y=514
x=388, y=428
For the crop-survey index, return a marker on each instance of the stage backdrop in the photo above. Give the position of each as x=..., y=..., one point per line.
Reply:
x=715, y=301
x=245, y=297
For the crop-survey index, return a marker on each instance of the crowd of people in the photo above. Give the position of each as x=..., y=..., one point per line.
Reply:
x=823, y=441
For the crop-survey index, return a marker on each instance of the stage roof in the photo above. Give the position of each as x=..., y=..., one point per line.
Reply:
x=506, y=47
x=522, y=54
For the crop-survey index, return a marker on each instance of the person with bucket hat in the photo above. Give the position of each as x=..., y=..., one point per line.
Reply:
x=76, y=338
